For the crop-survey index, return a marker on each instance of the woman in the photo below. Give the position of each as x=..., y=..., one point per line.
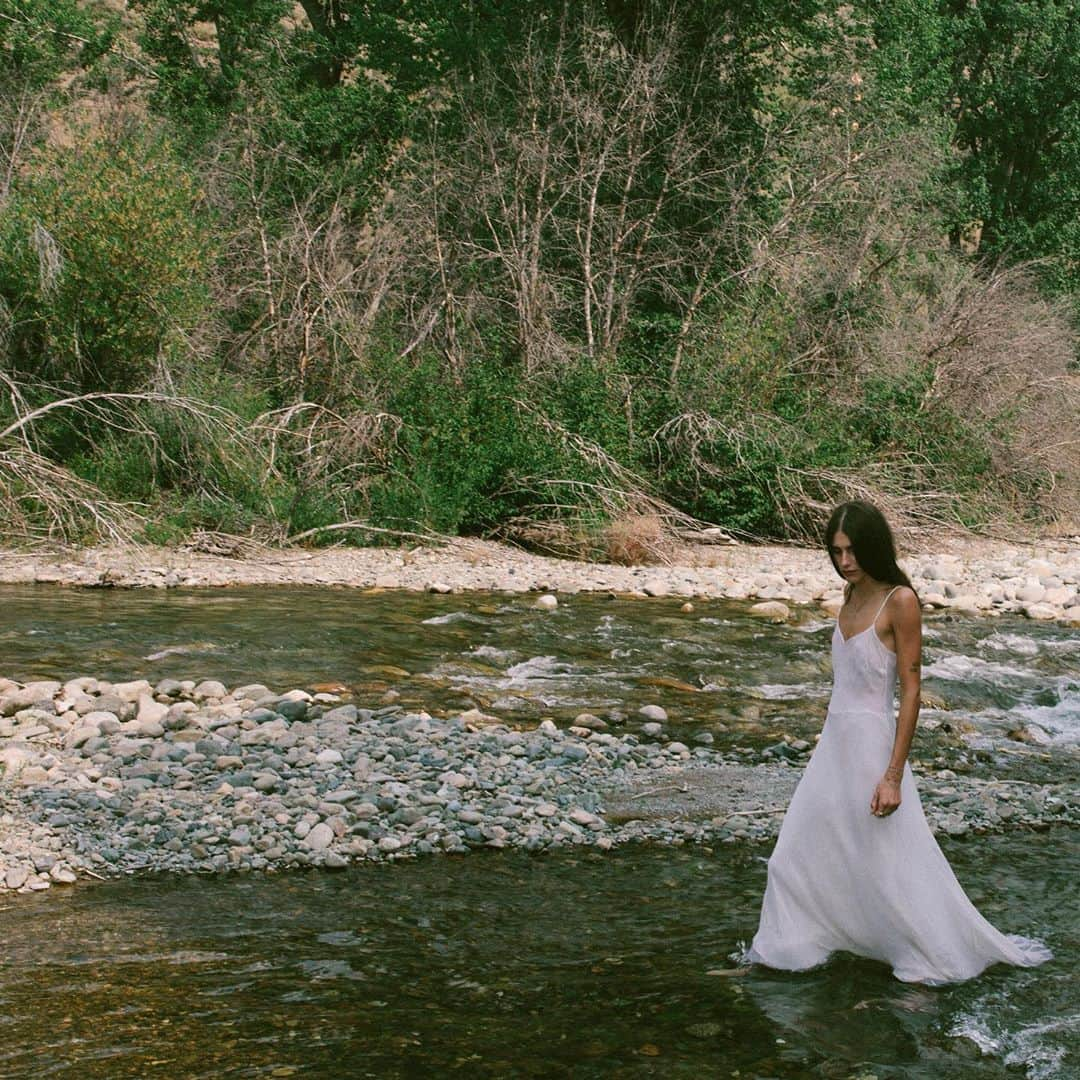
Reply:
x=855, y=866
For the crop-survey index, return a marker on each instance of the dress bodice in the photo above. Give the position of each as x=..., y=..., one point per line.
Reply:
x=864, y=670
x=864, y=673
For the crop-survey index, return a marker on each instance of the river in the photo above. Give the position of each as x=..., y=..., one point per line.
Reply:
x=573, y=963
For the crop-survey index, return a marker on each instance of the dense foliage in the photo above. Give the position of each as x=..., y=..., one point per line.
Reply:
x=334, y=269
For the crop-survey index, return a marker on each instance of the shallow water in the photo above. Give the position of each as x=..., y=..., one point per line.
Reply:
x=717, y=670
x=500, y=964
x=504, y=965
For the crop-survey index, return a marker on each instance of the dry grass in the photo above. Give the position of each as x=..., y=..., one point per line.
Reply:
x=635, y=539
x=615, y=515
x=41, y=502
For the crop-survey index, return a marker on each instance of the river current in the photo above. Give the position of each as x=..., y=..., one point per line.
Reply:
x=576, y=963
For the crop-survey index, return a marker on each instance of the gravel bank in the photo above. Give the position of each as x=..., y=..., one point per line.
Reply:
x=970, y=575
x=102, y=779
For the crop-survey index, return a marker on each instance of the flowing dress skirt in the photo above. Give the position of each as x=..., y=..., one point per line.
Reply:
x=841, y=878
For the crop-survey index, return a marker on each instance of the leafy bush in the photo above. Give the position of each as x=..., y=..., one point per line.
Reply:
x=105, y=262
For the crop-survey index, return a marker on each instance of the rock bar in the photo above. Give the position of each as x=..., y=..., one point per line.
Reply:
x=100, y=779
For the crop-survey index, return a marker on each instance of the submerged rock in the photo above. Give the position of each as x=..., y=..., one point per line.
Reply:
x=771, y=609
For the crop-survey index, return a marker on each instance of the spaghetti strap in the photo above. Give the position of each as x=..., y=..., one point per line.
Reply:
x=873, y=622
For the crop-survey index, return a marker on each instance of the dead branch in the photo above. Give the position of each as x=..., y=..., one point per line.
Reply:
x=427, y=537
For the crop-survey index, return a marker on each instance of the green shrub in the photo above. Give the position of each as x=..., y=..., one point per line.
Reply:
x=105, y=261
x=473, y=453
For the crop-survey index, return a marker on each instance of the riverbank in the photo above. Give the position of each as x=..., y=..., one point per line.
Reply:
x=971, y=575
x=104, y=779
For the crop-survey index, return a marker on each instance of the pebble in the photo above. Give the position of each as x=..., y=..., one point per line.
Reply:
x=244, y=780
x=319, y=838
x=1040, y=611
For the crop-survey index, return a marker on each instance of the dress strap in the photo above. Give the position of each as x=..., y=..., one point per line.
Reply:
x=883, y=603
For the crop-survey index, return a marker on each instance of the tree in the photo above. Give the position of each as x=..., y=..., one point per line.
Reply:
x=1006, y=73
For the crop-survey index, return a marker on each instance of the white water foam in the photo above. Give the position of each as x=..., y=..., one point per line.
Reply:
x=538, y=667
x=489, y=652
x=1017, y=644
x=451, y=617
x=957, y=667
x=1062, y=719
x=1067, y=645
x=179, y=650
x=1035, y=1047
x=788, y=691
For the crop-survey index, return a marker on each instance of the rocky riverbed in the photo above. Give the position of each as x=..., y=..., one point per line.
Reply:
x=971, y=575
x=102, y=779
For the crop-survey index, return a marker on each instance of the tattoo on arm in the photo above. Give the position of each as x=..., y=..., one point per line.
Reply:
x=914, y=666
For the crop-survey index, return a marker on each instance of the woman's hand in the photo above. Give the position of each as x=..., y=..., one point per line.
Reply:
x=886, y=797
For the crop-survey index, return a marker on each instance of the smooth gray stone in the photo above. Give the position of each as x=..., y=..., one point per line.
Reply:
x=16, y=876
x=291, y=710
x=342, y=795
x=32, y=695
x=252, y=691
x=346, y=714
x=260, y=715
x=113, y=703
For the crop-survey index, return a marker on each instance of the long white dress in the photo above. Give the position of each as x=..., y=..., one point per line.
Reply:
x=841, y=878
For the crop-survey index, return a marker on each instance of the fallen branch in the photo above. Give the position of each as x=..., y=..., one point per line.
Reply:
x=438, y=538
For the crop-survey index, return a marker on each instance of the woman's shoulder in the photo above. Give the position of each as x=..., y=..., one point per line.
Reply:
x=903, y=601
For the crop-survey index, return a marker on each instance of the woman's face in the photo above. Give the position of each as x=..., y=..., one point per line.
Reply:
x=846, y=562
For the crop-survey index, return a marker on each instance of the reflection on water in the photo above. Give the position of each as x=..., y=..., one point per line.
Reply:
x=505, y=965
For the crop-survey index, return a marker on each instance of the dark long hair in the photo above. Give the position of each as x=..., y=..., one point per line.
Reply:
x=871, y=541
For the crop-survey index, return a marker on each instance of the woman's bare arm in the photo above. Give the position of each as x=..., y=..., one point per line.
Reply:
x=907, y=634
x=906, y=625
